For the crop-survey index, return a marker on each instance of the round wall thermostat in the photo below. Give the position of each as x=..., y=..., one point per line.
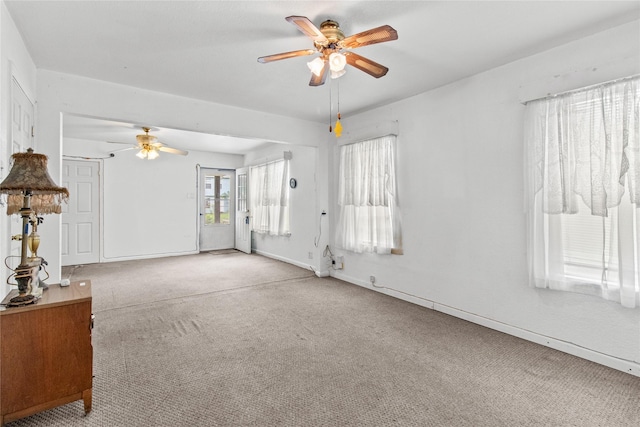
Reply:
x=293, y=183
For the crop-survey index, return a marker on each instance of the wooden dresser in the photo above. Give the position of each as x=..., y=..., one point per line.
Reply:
x=46, y=355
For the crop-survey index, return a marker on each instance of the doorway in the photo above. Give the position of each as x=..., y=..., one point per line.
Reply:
x=217, y=209
x=80, y=231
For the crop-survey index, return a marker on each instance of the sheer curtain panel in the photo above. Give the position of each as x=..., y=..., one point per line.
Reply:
x=367, y=197
x=583, y=160
x=269, y=198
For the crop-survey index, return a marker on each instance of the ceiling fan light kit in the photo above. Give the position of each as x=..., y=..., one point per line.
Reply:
x=334, y=49
x=337, y=62
x=148, y=153
x=149, y=148
x=316, y=66
x=336, y=74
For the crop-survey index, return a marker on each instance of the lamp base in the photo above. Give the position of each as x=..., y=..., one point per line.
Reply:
x=21, y=300
x=42, y=285
x=26, y=276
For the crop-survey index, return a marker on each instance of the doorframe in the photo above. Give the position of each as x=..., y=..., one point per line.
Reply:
x=199, y=193
x=100, y=222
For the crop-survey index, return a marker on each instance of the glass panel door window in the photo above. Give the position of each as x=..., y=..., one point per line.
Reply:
x=242, y=193
x=217, y=196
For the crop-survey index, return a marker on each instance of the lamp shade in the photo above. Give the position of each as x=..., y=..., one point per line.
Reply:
x=29, y=175
x=152, y=154
x=316, y=66
x=337, y=61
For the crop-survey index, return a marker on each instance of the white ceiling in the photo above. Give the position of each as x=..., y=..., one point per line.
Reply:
x=119, y=133
x=208, y=49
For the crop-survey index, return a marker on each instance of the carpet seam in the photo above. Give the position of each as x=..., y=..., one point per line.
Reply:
x=220, y=291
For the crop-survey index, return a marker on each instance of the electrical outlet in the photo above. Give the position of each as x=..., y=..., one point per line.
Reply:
x=310, y=255
x=372, y=279
x=337, y=262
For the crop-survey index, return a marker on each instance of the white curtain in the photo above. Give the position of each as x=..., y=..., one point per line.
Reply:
x=583, y=154
x=367, y=197
x=269, y=198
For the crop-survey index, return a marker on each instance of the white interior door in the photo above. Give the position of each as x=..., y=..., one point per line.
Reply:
x=80, y=217
x=217, y=209
x=21, y=119
x=243, y=217
x=22, y=113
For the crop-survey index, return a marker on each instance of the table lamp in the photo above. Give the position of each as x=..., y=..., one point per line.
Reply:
x=30, y=190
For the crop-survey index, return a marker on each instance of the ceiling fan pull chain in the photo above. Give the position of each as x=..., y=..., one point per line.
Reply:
x=338, y=126
x=330, y=107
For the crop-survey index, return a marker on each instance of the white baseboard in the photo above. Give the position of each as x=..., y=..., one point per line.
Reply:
x=566, y=347
x=292, y=261
x=146, y=256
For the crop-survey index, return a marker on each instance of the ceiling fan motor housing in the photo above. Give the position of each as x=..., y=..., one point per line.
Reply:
x=331, y=30
x=146, y=139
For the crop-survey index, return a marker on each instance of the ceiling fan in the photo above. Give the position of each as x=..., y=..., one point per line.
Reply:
x=335, y=49
x=149, y=147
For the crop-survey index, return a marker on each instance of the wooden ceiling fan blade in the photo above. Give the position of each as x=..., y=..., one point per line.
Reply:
x=364, y=64
x=381, y=34
x=172, y=150
x=285, y=55
x=320, y=79
x=306, y=26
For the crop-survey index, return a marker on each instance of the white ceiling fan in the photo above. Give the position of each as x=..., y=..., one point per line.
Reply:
x=149, y=148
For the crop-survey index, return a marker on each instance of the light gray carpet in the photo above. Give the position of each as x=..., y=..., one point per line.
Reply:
x=242, y=340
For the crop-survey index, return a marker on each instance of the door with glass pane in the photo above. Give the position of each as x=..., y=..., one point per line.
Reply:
x=243, y=217
x=217, y=209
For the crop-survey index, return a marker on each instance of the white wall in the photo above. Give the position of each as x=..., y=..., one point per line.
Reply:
x=148, y=208
x=299, y=248
x=461, y=191
x=460, y=185
x=15, y=63
x=60, y=93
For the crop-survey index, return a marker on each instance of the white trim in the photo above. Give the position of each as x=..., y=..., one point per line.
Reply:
x=291, y=261
x=627, y=366
x=198, y=196
x=147, y=256
x=566, y=347
x=13, y=76
x=371, y=131
x=580, y=89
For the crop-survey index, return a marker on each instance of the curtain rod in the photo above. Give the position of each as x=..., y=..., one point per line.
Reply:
x=568, y=92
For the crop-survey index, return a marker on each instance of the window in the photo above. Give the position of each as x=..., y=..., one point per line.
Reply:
x=216, y=203
x=269, y=197
x=369, y=219
x=583, y=159
x=242, y=193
